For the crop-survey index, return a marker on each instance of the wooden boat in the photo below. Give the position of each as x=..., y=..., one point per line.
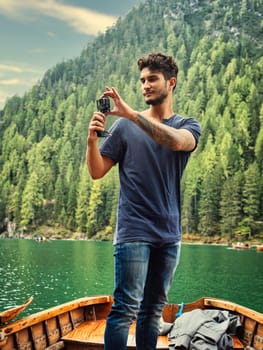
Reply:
x=80, y=325
x=10, y=314
x=240, y=245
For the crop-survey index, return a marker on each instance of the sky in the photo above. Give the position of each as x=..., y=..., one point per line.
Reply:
x=35, y=35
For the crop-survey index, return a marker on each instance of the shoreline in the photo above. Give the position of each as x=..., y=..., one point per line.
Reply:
x=49, y=233
x=251, y=244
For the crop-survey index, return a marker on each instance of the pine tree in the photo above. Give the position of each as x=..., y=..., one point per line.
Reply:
x=83, y=196
x=32, y=201
x=231, y=205
x=251, y=198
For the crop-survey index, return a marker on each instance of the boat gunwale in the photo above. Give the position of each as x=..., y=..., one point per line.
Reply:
x=202, y=303
x=51, y=312
x=231, y=306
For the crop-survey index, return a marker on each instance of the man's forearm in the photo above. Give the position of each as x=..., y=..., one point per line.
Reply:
x=174, y=139
x=94, y=160
x=156, y=130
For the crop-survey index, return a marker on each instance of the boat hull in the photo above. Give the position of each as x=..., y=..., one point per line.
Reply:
x=240, y=246
x=80, y=324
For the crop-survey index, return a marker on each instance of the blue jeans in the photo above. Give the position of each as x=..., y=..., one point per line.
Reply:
x=143, y=275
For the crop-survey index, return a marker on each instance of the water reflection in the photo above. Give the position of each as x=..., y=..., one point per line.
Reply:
x=220, y=272
x=58, y=271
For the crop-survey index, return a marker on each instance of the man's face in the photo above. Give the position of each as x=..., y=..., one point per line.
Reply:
x=154, y=86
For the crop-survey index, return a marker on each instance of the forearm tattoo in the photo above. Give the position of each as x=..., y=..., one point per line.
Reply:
x=155, y=131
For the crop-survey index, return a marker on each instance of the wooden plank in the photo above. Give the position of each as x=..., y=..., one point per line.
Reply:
x=258, y=338
x=237, y=344
x=38, y=334
x=52, y=330
x=52, y=312
x=24, y=339
x=228, y=305
x=91, y=333
x=57, y=346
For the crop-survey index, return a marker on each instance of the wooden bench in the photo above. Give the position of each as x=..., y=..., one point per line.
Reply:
x=90, y=336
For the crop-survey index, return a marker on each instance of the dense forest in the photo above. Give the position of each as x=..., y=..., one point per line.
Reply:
x=218, y=47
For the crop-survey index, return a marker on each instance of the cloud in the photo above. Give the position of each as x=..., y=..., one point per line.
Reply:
x=37, y=50
x=51, y=34
x=17, y=82
x=4, y=68
x=11, y=82
x=16, y=77
x=80, y=19
x=3, y=97
x=7, y=87
x=7, y=68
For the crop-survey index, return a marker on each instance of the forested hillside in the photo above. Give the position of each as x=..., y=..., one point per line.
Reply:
x=218, y=47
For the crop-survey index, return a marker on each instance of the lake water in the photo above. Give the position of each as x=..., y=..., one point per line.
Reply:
x=58, y=271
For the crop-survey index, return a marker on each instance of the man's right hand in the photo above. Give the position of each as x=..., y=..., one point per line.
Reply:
x=97, y=123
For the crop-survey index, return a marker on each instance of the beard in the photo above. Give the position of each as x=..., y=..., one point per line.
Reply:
x=158, y=100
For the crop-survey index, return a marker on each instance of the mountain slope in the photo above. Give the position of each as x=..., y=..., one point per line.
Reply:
x=218, y=47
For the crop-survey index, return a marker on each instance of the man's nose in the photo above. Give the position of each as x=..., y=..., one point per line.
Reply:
x=146, y=84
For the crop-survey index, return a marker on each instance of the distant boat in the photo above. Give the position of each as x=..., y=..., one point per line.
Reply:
x=13, y=312
x=259, y=248
x=80, y=324
x=240, y=245
x=41, y=239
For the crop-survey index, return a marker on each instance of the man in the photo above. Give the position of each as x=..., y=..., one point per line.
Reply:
x=152, y=148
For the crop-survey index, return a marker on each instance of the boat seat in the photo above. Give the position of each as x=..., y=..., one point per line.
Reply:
x=90, y=335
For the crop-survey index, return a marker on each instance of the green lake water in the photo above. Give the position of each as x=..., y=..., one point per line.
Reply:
x=59, y=271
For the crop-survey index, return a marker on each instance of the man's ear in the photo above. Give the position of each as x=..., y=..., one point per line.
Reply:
x=172, y=82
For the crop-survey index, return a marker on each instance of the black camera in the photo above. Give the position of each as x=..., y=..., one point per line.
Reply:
x=103, y=104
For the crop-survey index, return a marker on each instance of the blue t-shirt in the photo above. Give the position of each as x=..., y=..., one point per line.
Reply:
x=149, y=201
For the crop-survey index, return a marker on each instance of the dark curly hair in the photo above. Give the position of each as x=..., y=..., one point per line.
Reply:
x=157, y=61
